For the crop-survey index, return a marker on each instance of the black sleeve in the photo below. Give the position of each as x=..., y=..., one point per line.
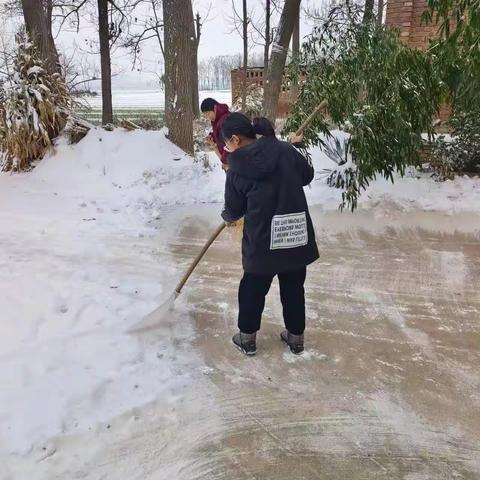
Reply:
x=235, y=201
x=303, y=166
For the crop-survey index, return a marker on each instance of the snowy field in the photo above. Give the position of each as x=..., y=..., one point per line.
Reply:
x=137, y=105
x=149, y=98
x=80, y=241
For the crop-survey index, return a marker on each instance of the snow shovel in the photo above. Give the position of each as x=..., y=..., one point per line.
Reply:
x=152, y=319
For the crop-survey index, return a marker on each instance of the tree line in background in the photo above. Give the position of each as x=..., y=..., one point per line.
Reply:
x=214, y=73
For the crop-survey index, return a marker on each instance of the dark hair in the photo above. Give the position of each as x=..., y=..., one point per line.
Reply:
x=263, y=126
x=208, y=105
x=237, y=124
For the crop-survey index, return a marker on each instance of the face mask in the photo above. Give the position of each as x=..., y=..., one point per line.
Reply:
x=226, y=147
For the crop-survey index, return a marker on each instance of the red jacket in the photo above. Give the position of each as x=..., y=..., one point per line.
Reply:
x=222, y=112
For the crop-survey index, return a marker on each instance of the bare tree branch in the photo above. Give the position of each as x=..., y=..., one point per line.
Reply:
x=73, y=10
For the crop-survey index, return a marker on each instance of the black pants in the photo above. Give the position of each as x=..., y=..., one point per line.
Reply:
x=251, y=299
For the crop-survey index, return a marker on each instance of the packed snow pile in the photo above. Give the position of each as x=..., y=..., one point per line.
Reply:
x=128, y=170
x=81, y=238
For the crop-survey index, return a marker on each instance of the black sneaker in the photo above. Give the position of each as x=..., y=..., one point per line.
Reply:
x=295, y=342
x=246, y=342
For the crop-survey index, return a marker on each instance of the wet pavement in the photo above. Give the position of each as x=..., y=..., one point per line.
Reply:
x=389, y=387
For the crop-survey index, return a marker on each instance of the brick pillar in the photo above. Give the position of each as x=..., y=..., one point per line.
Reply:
x=406, y=16
x=400, y=16
x=237, y=77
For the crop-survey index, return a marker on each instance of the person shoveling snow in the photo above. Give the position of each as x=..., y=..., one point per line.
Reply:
x=265, y=186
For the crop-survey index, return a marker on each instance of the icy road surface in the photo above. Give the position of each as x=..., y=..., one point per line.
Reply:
x=389, y=387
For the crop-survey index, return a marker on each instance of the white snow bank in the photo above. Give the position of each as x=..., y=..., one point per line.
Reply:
x=124, y=167
x=127, y=173
x=414, y=191
x=140, y=172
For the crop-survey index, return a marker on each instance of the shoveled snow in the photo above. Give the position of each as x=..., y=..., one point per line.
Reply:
x=79, y=266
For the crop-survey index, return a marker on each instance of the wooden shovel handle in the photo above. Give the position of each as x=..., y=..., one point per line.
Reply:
x=214, y=147
x=184, y=279
x=311, y=117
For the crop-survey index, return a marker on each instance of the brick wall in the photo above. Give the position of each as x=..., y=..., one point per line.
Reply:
x=406, y=16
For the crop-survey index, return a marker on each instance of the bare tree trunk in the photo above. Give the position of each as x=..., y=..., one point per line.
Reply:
x=278, y=58
x=51, y=40
x=197, y=32
x=245, y=55
x=178, y=24
x=380, y=12
x=368, y=15
x=295, y=56
x=195, y=96
x=266, y=53
x=39, y=28
x=103, y=32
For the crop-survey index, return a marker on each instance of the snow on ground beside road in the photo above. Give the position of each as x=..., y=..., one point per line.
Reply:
x=141, y=172
x=80, y=262
x=414, y=191
x=78, y=266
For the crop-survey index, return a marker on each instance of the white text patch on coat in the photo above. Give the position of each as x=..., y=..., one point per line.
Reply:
x=289, y=231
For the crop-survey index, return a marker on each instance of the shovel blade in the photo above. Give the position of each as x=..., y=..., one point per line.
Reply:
x=154, y=319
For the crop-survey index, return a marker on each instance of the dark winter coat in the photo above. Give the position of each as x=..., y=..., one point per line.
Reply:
x=221, y=114
x=265, y=184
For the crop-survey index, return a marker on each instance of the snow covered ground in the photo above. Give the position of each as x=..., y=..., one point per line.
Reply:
x=80, y=241
x=77, y=266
